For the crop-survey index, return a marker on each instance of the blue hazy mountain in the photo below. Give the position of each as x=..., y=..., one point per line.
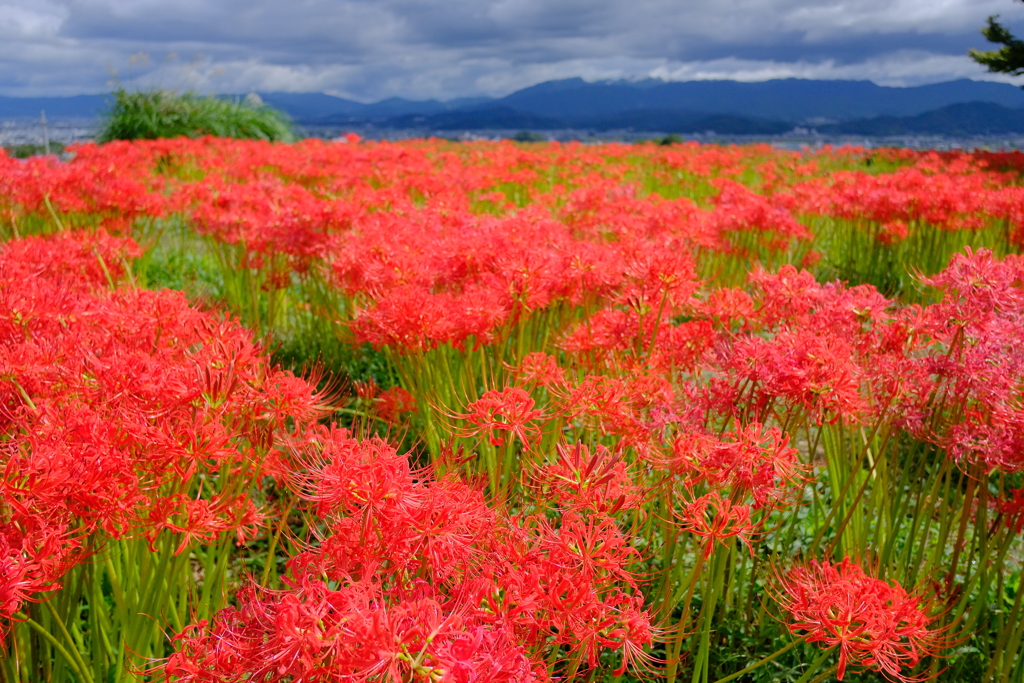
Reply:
x=661, y=120
x=792, y=99
x=325, y=109
x=969, y=119
x=727, y=107
x=675, y=106
x=310, y=105
x=476, y=119
x=79, y=106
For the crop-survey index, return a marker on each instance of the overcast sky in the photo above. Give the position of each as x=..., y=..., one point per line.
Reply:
x=371, y=49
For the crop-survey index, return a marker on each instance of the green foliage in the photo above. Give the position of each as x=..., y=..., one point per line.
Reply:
x=1009, y=59
x=670, y=139
x=166, y=114
x=528, y=136
x=27, y=149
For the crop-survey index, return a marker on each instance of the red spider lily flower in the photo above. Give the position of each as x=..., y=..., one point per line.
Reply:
x=318, y=634
x=339, y=472
x=893, y=232
x=631, y=634
x=608, y=330
x=367, y=390
x=814, y=372
x=541, y=369
x=202, y=519
x=571, y=585
x=874, y=623
x=740, y=210
x=593, y=546
x=582, y=480
x=1012, y=509
x=717, y=520
x=976, y=284
x=508, y=411
x=391, y=403
x=621, y=406
x=753, y=459
x=975, y=362
x=946, y=201
x=30, y=566
x=727, y=304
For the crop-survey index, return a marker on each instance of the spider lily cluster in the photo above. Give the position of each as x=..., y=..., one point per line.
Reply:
x=590, y=413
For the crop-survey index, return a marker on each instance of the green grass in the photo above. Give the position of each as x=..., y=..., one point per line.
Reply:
x=27, y=149
x=166, y=114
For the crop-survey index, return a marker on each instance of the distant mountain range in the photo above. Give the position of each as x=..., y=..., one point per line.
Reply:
x=968, y=119
x=793, y=100
x=77, y=107
x=955, y=108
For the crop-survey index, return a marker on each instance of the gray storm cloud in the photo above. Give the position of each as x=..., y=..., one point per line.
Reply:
x=371, y=49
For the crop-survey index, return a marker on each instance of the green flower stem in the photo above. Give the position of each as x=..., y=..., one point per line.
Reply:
x=675, y=646
x=53, y=214
x=79, y=664
x=719, y=558
x=272, y=546
x=765, y=660
x=48, y=637
x=816, y=664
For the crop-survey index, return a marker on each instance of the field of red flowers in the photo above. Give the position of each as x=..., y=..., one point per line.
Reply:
x=434, y=411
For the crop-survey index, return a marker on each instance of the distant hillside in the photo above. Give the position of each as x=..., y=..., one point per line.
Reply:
x=305, y=106
x=654, y=120
x=727, y=124
x=377, y=111
x=79, y=106
x=668, y=120
x=476, y=119
x=953, y=108
x=682, y=121
x=972, y=118
x=957, y=120
x=794, y=100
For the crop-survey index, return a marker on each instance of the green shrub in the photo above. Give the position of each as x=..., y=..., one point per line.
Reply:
x=167, y=114
x=528, y=136
x=27, y=149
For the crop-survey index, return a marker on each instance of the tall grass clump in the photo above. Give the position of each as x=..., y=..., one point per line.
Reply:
x=167, y=114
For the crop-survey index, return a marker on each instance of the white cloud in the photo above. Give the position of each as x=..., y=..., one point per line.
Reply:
x=822, y=20
x=371, y=49
x=901, y=68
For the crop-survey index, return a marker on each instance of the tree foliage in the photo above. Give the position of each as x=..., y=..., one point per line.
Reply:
x=1009, y=59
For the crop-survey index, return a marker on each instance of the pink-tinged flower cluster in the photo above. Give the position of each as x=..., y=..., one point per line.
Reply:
x=874, y=623
x=977, y=360
x=752, y=461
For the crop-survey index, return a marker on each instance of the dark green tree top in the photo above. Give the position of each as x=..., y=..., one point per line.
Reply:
x=1009, y=59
